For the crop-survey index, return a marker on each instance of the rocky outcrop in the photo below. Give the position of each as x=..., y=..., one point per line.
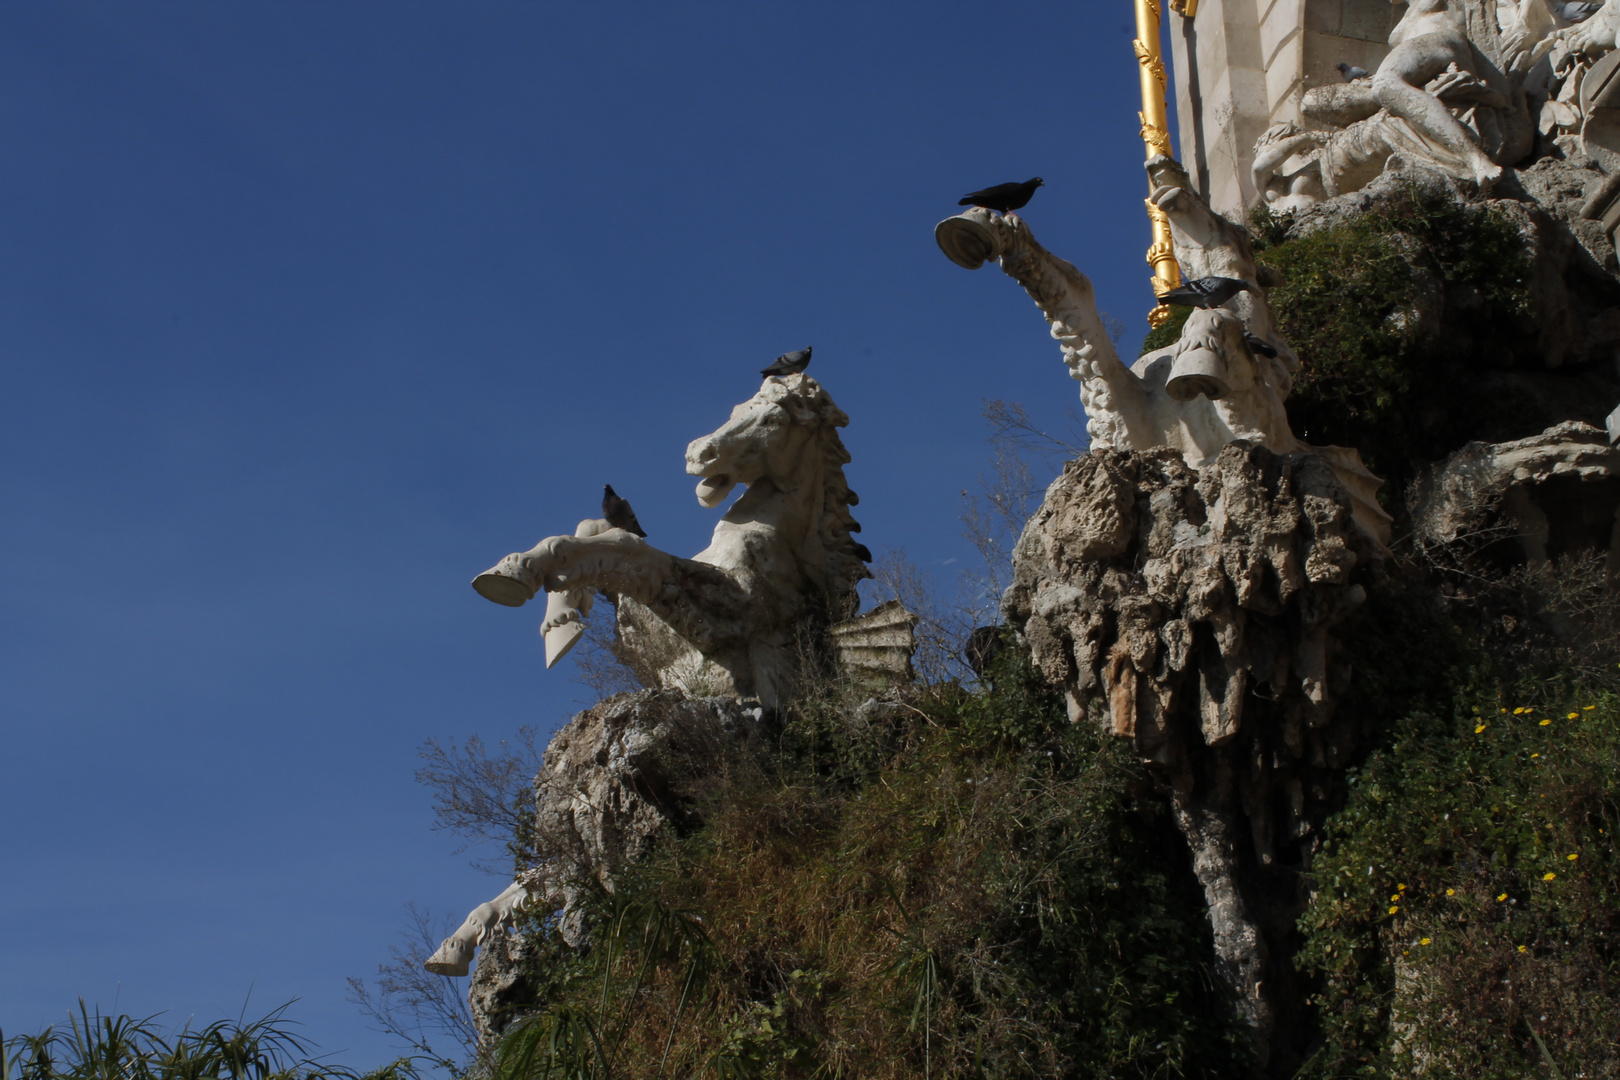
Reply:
x=1524, y=501
x=613, y=779
x=618, y=774
x=1191, y=611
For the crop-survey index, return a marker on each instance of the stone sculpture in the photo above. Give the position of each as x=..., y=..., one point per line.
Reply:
x=1207, y=390
x=1523, y=501
x=454, y=956
x=1449, y=96
x=782, y=558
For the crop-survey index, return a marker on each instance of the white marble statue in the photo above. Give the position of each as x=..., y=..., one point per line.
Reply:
x=1450, y=96
x=455, y=955
x=1211, y=387
x=725, y=620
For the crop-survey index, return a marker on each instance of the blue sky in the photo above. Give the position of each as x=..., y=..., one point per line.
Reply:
x=311, y=311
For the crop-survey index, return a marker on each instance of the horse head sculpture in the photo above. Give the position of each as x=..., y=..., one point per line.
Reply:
x=782, y=558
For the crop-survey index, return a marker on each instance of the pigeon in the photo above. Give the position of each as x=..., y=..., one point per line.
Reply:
x=981, y=648
x=1003, y=197
x=1260, y=346
x=618, y=513
x=1579, y=12
x=1350, y=72
x=789, y=363
x=1208, y=292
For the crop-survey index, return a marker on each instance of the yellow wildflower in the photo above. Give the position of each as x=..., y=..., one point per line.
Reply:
x=1504, y=710
x=1544, y=723
x=1393, y=910
x=1502, y=897
x=1519, y=710
x=1402, y=888
x=1451, y=892
x=1548, y=876
x=1588, y=708
x=1571, y=858
x=1523, y=948
x=1535, y=755
x=1573, y=716
x=1425, y=941
x=1479, y=729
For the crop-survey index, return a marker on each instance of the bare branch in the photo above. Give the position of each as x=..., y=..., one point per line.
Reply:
x=411, y=1003
x=482, y=796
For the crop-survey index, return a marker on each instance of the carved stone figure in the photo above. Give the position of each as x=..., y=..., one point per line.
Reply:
x=1524, y=501
x=782, y=558
x=1211, y=387
x=1449, y=96
x=454, y=956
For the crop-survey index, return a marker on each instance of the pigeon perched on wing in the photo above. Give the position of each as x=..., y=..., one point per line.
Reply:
x=617, y=510
x=1579, y=12
x=1350, y=72
x=1209, y=292
x=1260, y=346
x=789, y=363
x=1003, y=197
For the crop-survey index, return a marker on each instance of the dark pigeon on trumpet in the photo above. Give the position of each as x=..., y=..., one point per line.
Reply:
x=1003, y=197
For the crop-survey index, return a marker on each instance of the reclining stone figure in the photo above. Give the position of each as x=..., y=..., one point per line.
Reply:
x=724, y=621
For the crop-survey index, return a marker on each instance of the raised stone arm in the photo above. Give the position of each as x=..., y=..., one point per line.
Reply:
x=620, y=563
x=1115, y=414
x=455, y=955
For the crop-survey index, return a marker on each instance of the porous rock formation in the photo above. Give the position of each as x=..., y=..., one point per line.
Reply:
x=1191, y=611
x=611, y=781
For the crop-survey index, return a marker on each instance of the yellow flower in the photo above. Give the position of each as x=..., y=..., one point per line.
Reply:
x=1504, y=710
x=1571, y=858
x=1451, y=892
x=1425, y=941
x=1393, y=910
x=1523, y=949
x=1502, y=897
x=1479, y=729
x=1544, y=723
x=1535, y=755
x=1394, y=898
x=1588, y=708
x=1573, y=716
x=1519, y=710
x=1548, y=876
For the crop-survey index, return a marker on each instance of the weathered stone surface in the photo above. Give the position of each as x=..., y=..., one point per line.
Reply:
x=614, y=778
x=1527, y=500
x=1190, y=611
x=500, y=986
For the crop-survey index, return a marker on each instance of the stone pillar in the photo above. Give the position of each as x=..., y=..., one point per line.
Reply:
x=1242, y=65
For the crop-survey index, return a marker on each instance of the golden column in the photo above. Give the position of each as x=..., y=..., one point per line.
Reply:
x=1156, y=137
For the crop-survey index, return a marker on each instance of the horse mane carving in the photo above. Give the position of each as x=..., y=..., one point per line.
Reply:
x=782, y=561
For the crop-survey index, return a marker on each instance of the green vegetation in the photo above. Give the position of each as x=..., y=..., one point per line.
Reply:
x=96, y=1047
x=1394, y=313
x=972, y=887
x=1469, y=895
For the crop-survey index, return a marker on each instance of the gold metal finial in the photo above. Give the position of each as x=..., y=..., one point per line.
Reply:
x=1156, y=139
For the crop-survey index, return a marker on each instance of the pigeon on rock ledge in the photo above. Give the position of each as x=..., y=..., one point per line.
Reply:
x=789, y=363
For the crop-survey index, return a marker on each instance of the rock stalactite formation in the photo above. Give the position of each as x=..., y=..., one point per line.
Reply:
x=1191, y=611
